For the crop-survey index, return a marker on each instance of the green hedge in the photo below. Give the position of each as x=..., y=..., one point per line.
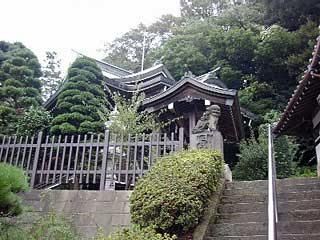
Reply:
x=171, y=197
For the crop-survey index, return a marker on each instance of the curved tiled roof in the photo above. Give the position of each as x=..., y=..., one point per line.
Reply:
x=297, y=116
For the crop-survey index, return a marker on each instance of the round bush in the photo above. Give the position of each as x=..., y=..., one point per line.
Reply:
x=171, y=197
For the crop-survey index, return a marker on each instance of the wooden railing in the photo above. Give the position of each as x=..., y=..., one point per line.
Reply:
x=99, y=160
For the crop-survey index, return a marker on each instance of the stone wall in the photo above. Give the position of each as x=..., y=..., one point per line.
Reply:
x=89, y=209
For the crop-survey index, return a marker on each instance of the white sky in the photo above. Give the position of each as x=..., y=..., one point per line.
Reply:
x=83, y=25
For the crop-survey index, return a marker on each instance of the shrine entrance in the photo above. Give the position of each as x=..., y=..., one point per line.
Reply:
x=184, y=103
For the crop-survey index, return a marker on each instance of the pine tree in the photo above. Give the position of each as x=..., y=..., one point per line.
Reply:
x=20, y=86
x=82, y=102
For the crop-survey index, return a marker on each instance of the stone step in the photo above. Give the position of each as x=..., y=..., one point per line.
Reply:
x=282, y=197
x=265, y=237
x=304, y=215
x=253, y=237
x=264, y=183
x=242, y=217
x=280, y=189
x=262, y=207
x=261, y=228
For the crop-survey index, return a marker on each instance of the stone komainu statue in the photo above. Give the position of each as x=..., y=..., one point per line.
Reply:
x=209, y=120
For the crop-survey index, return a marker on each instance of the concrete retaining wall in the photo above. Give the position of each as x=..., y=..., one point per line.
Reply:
x=89, y=209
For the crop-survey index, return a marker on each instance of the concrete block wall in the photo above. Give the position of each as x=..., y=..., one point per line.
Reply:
x=108, y=210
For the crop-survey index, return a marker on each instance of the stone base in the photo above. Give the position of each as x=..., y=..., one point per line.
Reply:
x=227, y=173
x=210, y=140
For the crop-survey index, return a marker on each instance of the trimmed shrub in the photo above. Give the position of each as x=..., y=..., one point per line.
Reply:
x=82, y=100
x=136, y=233
x=12, y=181
x=171, y=197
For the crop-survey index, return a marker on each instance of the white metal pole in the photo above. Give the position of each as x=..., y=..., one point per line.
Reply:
x=143, y=50
x=272, y=235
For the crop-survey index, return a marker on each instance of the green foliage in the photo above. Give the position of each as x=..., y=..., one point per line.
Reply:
x=171, y=196
x=82, y=101
x=51, y=226
x=253, y=163
x=35, y=119
x=258, y=97
x=51, y=79
x=126, y=51
x=201, y=8
x=137, y=233
x=300, y=172
x=19, y=83
x=126, y=117
x=12, y=181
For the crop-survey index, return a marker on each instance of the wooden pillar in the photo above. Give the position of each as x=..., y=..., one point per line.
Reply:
x=192, y=121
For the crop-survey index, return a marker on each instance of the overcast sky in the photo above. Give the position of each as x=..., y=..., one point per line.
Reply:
x=83, y=25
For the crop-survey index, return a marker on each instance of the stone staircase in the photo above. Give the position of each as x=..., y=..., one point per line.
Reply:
x=242, y=212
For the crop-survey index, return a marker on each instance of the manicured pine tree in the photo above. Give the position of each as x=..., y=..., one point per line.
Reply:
x=19, y=83
x=82, y=103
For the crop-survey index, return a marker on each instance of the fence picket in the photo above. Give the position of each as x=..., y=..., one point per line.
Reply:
x=96, y=160
x=44, y=160
x=30, y=153
x=89, y=158
x=135, y=159
x=69, y=158
x=56, y=160
x=24, y=152
x=76, y=160
x=2, y=146
x=128, y=159
x=13, y=148
x=104, y=159
x=142, y=154
x=35, y=160
x=7, y=149
x=150, y=150
x=63, y=156
x=50, y=158
x=18, y=153
x=120, y=158
x=82, y=157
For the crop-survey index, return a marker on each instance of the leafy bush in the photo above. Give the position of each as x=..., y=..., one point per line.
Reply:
x=171, y=197
x=12, y=181
x=305, y=172
x=253, y=163
x=136, y=233
x=36, y=119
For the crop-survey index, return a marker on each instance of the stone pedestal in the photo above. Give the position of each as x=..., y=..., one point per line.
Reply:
x=207, y=139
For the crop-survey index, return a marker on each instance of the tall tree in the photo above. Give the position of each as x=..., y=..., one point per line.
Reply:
x=202, y=8
x=51, y=78
x=126, y=51
x=82, y=102
x=20, y=86
x=290, y=14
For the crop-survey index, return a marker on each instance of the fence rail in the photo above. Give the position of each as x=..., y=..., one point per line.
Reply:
x=103, y=159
